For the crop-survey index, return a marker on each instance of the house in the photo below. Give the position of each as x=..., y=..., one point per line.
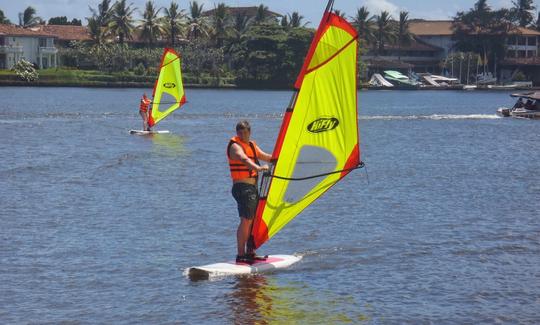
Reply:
x=67, y=33
x=417, y=54
x=522, y=44
x=31, y=44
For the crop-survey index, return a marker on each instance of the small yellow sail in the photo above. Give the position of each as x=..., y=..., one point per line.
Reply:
x=168, y=93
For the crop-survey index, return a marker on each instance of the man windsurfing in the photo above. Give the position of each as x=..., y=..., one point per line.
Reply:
x=144, y=109
x=244, y=156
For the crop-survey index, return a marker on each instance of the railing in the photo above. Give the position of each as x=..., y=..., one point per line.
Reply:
x=10, y=49
x=48, y=50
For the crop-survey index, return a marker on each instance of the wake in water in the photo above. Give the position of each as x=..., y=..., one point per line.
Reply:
x=433, y=117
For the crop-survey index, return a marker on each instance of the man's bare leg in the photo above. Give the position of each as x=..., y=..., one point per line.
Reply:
x=242, y=235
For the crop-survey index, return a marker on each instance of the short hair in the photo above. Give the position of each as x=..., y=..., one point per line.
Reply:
x=243, y=125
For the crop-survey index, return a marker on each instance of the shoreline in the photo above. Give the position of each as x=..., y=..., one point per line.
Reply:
x=128, y=84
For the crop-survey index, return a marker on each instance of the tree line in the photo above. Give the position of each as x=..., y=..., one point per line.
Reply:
x=262, y=47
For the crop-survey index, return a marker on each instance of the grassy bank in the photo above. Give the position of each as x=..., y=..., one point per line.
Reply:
x=93, y=78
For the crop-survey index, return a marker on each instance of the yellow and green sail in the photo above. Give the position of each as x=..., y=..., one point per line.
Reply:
x=168, y=94
x=318, y=142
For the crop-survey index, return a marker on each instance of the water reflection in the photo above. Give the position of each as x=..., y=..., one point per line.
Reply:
x=168, y=144
x=262, y=300
x=250, y=302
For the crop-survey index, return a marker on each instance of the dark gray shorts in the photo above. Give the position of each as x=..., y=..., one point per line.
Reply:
x=246, y=198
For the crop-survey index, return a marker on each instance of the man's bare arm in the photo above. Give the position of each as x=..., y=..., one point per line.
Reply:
x=237, y=153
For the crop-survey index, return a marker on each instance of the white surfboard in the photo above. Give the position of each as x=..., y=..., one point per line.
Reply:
x=141, y=132
x=273, y=262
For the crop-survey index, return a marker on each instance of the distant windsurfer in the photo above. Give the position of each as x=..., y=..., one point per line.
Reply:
x=144, y=109
x=244, y=156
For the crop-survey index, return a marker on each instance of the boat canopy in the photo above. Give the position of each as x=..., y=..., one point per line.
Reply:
x=528, y=95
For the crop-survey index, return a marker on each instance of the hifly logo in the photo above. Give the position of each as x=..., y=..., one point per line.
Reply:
x=323, y=124
x=169, y=85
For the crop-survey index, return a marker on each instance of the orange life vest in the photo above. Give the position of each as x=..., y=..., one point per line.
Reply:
x=144, y=105
x=238, y=169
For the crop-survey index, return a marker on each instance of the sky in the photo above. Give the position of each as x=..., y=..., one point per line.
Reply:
x=310, y=9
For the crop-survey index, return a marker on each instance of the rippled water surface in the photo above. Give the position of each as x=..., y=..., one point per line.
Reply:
x=97, y=226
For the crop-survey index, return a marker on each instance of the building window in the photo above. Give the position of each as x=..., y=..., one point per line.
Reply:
x=522, y=40
x=42, y=42
x=532, y=41
x=512, y=40
x=511, y=54
x=522, y=54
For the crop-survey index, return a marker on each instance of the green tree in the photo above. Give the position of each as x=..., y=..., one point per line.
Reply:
x=197, y=24
x=284, y=21
x=28, y=17
x=262, y=16
x=339, y=13
x=483, y=31
x=102, y=15
x=3, y=19
x=295, y=20
x=122, y=23
x=404, y=36
x=221, y=24
x=96, y=31
x=364, y=25
x=173, y=22
x=384, y=32
x=151, y=25
x=522, y=12
x=62, y=20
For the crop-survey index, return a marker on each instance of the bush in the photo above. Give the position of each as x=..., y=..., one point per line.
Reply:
x=139, y=70
x=519, y=76
x=26, y=71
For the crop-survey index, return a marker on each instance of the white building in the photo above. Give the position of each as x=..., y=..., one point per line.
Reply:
x=30, y=44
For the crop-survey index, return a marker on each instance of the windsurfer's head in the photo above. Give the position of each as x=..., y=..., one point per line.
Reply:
x=243, y=130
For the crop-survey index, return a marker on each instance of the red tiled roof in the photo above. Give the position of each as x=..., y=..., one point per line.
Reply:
x=431, y=27
x=14, y=30
x=444, y=28
x=67, y=32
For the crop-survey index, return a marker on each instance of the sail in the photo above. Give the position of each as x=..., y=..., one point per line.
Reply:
x=318, y=141
x=168, y=94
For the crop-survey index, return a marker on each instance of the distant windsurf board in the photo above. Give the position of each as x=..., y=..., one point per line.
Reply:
x=272, y=263
x=141, y=132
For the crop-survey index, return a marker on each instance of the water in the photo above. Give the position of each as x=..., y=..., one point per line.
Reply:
x=97, y=226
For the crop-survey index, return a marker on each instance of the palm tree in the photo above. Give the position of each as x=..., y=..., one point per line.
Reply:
x=404, y=36
x=261, y=16
x=284, y=21
x=151, y=25
x=240, y=25
x=28, y=17
x=197, y=24
x=3, y=19
x=95, y=30
x=522, y=12
x=295, y=20
x=385, y=32
x=173, y=21
x=221, y=23
x=364, y=25
x=339, y=13
x=103, y=13
x=121, y=23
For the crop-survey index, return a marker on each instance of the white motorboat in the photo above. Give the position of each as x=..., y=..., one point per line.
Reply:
x=527, y=106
